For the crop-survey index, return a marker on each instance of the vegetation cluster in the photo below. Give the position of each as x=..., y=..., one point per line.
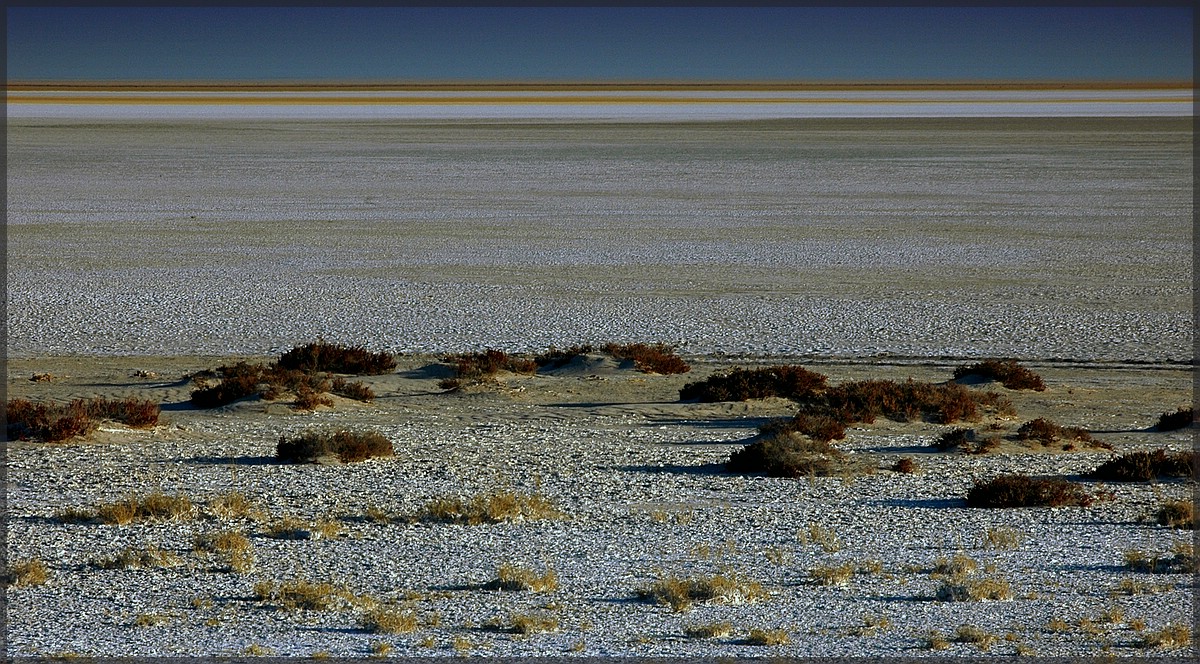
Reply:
x=787, y=381
x=347, y=446
x=52, y=423
x=1009, y=373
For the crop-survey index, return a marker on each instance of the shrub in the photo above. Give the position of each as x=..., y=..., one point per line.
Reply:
x=54, y=423
x=791, y=455
x=1047, y=432
x=355, y=390
x=494, y=507
x=787, y=381
x=972, y=634
x=554, y=358
x=864, y=401
x=649, y=358
x=1181, y=561
x=28, y=572
x=475, y=367
x=1180, y=419
x=818, y=427
x=906, y=466
x=975, y=590
x=347, y=446
x=1143, y=466
x=966, y=440
x=130, y=558
x=269, y=382
x=1008, y=372
x=1177, y=514
x=681, y=594
x=1025, y=491
x=336, y=358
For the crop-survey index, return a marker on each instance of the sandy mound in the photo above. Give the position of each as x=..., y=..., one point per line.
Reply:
x=590, y=364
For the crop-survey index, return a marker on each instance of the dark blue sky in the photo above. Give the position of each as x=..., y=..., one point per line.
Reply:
x=613, y=43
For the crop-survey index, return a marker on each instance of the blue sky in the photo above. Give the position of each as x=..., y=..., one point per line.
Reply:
x=601, y=44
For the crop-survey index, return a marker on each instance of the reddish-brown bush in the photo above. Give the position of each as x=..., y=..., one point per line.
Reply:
x=336, y=358
x=787, y=381
x=905, y=465
x=270, y=382
x=649, y=358
x=347, y=446
x=484, y=366
x=863, y=401
x=1047, y=432
x=1180, y=419
x=1008, y=372
x=1025, y=491
x=51, y=423
x=821, y=428
x=1145, y=466
x=790, y=455
x=554, y=358
x=352, y=390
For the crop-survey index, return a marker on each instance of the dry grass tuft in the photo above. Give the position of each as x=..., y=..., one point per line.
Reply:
x=1178, y=514
x=156, y=506
x=1003, y=537
x=818, y=534
x=974, y=590
x=27, y=572
x=389, y=620
x=496, y=507
x=831, y=575
x=1181, y=561
x=716, y=630
x=299, y=594
x=513, y=577
x=234, y=505
x=130, y=558
x=682, y=594
x=768, y=637
x=1176, y=635
x=525, y=623
x=233, y=546
x=971, y=634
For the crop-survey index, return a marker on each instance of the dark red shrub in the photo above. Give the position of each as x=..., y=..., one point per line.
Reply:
x=336, y=358
x=787, y=381
x=1010, y=374
x=1145, y=466
x=1025, y=491
x=649, y=358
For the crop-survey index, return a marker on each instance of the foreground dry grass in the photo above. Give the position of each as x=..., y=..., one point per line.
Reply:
x=590, y=512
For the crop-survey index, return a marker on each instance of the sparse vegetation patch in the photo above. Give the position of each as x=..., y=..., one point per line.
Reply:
x=347, y=446
x=52, y=423
x=795, y=455
x=1145, y=466
x=1025, y=491
x=1179, y=419
x=322, y=356
x=681, y=593
x=1009, y=373
x=787, y=381
x=649, y=358
x=495, y=507
x=27, y=572
x=477, y=367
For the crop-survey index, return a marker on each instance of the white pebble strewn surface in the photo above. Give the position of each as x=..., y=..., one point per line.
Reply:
x=1032, y=238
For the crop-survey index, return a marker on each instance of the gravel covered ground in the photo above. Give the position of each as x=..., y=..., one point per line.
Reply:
x=638, y=476
x=864, y=248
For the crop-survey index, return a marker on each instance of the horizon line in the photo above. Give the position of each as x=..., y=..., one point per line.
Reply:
x=552, y=86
